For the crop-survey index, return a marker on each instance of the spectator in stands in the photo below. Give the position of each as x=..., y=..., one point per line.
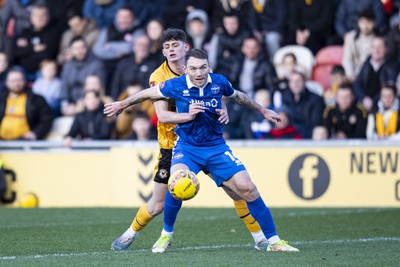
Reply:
x=357, y=44
x=347, y=119
x=116, y=40
x=92, y=83
x=48, y=85
x=267, y=20
x=384, y=120
x=175, y=11
x=197, y=29
x=23, y=114
x=139, y=65
x=147, y=10
x=142, y=129
x=123, y=127
x=154, y=29
x=284, y=129
x=377, y=69
x=310, y=23
x=337, y=77
x=102, y=11
x=252, y=70
x=90, y=124
x=257, y=124
x=221, y=8
x=394, y=38
x=224, y=47
x=306, y=108
x=319, y=133
x=348, y=13
x=15, y=16
x=78, y=26
x=37, y=43
x=3, y=71
x=74, y=73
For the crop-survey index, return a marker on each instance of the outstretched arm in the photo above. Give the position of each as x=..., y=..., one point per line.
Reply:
x=166, y=116
x=244, y=100
x=115, y=108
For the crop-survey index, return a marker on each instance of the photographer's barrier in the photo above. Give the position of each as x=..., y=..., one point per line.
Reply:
x=287, y=174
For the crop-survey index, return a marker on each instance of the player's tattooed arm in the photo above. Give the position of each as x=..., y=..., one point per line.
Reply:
x=115, y=108
x=244, y=100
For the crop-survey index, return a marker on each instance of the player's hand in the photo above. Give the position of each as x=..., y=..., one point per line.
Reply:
x=271, y=115
x=223, y=116
x=196, y=108
x=113, y=109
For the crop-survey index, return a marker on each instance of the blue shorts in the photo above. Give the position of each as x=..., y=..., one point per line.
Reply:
x=217, y=160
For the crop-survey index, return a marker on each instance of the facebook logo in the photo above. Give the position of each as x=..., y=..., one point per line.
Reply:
x=309, y=176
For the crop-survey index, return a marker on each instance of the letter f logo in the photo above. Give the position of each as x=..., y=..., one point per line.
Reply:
x=309, y=172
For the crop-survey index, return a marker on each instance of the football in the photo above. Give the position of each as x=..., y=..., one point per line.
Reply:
x=183, y=185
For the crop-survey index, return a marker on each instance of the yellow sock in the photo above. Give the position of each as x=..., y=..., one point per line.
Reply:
x=244, y=214
x=141, y=219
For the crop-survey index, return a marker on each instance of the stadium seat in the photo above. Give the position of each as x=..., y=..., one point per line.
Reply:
x=304, y=56
x=60, y=128
x=325, y=60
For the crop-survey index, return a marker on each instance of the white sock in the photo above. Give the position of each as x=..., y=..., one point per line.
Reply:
x=170, y=234
x=274, y=239
x=258, y=236
x=130, y=232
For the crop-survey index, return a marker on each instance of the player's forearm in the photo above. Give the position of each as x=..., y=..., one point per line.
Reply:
x=173, y=117
x=244, y=100
x=139, y=97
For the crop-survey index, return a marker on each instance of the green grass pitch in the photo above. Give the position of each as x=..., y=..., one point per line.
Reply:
x=203, y=237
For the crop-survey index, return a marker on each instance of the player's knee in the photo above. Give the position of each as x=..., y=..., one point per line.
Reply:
x=249, y=192
x=155, y=209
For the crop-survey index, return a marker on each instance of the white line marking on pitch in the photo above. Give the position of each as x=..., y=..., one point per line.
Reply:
x=337, y=241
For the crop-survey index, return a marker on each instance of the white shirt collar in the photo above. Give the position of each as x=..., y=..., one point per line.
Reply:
x=190, y=84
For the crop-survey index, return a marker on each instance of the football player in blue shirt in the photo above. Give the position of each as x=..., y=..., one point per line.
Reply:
x=200, y=145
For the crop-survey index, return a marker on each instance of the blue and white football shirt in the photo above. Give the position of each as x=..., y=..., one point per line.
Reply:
x=205, y=129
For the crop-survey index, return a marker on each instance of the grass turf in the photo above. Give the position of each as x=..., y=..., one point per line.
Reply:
x=203, y=237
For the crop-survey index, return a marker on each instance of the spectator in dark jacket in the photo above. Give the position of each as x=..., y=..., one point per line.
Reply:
x=377, y=69
x=3, y=71
x=221, y=8
x=252, y=71
x=306, y=108
x=36, y=43
x=347, y=119
x=224, y=47
x=116, y=40
x=197, y=29
x=348, y=13
x=91, y=124
x=268, y=22
x=104, y=13
x=310, y=23
x=139, y=66
x=23, y=114
x=74, y=74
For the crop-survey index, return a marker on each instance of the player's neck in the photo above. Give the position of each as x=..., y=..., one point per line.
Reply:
x=177, y=66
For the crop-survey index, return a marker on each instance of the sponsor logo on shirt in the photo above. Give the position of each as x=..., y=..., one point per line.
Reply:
x=212, y=104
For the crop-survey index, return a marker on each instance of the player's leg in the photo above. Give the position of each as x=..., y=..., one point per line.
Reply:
x=251, y=223
x=155, y=206
x=171, y=210
x=245, y=188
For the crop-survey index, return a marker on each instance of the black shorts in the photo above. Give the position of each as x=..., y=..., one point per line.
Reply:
x=162, y=169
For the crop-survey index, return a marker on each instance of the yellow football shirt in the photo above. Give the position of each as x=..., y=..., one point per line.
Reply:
x=14, y=124
x=166, y=133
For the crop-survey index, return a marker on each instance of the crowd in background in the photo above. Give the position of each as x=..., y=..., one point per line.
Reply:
x=61, y=60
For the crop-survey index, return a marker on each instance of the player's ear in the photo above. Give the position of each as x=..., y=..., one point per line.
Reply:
x=184, y=69
x=186, y=47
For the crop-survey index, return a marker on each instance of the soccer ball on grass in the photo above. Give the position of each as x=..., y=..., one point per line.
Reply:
x=183, y=184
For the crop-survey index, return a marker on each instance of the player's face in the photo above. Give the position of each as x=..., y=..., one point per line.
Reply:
x=174, y=50
x=197, y=69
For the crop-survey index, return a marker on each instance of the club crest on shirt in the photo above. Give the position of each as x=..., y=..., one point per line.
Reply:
x=215, y=89
x=186, y=92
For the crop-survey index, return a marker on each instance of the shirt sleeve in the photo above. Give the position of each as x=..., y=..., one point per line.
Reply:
x=228, y=91
x=165, y=89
